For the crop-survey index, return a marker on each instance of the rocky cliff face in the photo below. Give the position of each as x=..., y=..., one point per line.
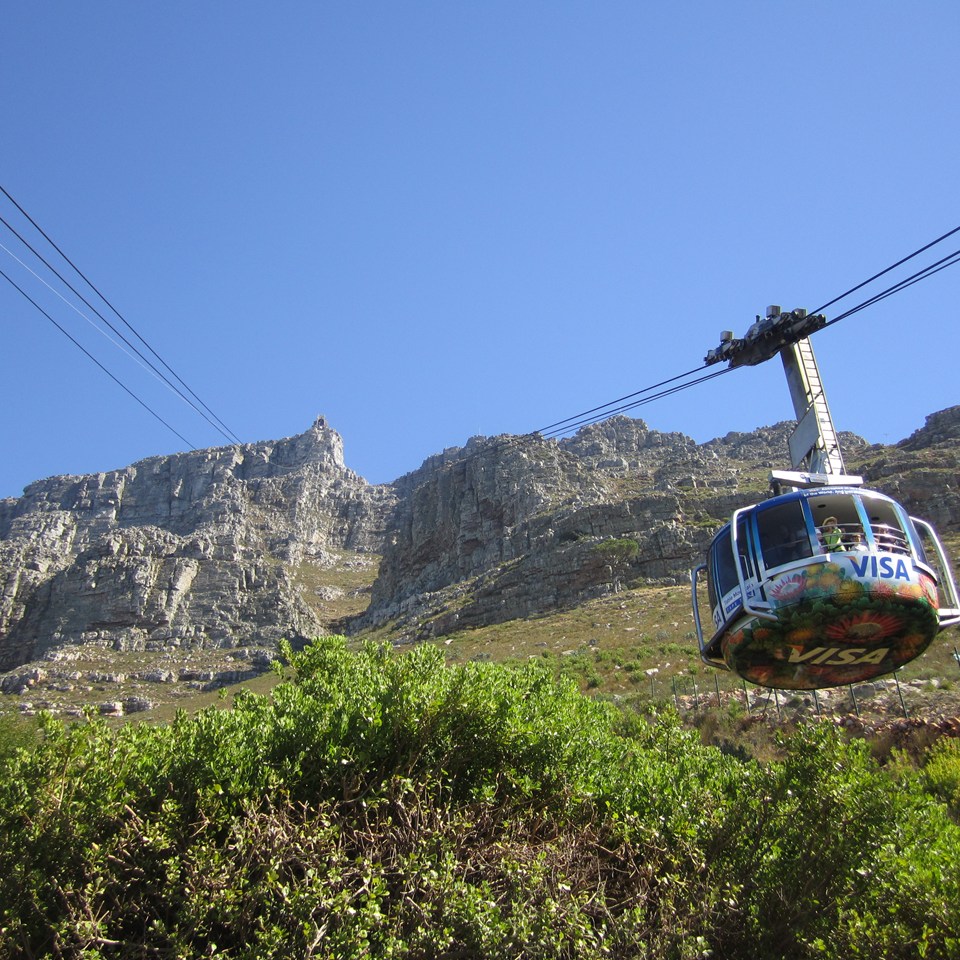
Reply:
x=923, y=471
x=509, y=527
x=215, y=548
x=199, y=549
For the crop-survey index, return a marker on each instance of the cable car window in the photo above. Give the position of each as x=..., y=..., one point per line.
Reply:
x=918, y=543
x=711, y=589
x=745, y=547
x=724, y=567
x=782, y=530
x=887, y=529
x=838, y=523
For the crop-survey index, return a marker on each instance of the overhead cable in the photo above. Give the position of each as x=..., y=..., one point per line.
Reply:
x=136, y=355
x=76, y=343
x=929, y=271
x=573, y=423
x=588, y=420
x=614, y=407
x=120, y=346
x=603, y=406
x=222, y=428
x=892, y=266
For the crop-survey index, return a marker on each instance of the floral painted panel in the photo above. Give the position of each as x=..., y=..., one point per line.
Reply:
x=841, y=621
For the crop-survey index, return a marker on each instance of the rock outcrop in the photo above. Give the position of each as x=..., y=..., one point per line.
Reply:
x=200, y=548
x=509, y=527
x=923, y=471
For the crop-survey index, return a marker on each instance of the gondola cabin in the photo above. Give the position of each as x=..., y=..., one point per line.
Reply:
x=823, y=587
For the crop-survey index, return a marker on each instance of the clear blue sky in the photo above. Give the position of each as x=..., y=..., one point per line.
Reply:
x=430, y=220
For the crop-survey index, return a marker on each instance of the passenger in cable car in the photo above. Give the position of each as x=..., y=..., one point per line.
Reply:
x=831, y=536
x=857, y=543
x=889, y=538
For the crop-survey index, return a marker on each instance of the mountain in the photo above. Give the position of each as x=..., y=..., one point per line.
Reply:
x=237, y=547
x=510, y=527
x=204, y=548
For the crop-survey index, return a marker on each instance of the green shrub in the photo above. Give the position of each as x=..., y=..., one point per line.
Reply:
x=941, y=772
x=386, y=805
x=16, y=733
x=616, y=549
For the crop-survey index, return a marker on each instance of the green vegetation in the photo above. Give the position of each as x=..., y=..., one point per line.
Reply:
x=617, y=550
x=650, y=625
x=16, y=733
x=376, y=805
x=941, y=773
x=337, y=591
x=615, y=555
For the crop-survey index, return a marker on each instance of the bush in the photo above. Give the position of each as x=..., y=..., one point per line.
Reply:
x=383, y=805
x=941, y=772
x=16, y=733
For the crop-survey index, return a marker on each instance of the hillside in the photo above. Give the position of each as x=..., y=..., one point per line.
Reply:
x=179, y=575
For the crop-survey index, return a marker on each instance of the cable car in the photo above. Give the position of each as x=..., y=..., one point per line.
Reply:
x=823, y=587
x=827, y=584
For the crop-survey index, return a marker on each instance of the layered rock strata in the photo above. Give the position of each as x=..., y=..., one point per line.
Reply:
x=199, y=548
